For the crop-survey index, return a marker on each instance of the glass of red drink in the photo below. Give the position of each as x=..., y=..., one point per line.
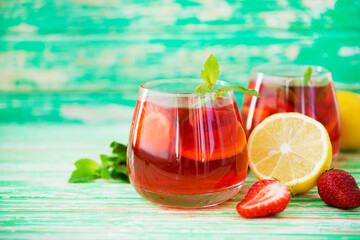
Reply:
x=284, y=89
x=186, y=151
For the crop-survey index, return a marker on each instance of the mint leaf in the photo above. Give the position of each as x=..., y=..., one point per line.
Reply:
x=307, y=76
x=205, y=78
x=111, y=166
x=104, y=160
x=83, y=176
x=122, y=169
x=86, y=170
x=86, y=163
x=236, y=88
x=201, y=89
x=118, y=175
x=119, y=150
x=115, y=166
x=211, y=71
x=210, y=76
x=105, y=173
x=105, y=165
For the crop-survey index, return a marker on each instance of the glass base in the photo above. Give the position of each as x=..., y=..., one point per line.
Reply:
x=190, y=201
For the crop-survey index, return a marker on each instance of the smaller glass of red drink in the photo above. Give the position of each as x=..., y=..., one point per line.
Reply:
x=186, y=151
x=284, y=89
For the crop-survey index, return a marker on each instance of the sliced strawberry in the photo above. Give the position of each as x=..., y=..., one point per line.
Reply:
x=264, y=198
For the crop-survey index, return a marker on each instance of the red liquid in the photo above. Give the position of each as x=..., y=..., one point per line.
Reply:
x=318, y=102
x=186, y=151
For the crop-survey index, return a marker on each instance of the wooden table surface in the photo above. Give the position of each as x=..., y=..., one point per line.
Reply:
x=36, y=202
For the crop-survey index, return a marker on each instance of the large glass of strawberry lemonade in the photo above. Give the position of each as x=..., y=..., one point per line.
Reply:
x=186, y=151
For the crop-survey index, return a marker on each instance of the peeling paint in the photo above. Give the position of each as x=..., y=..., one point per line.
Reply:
x=42, y=78
x=346, y=51
x=279, y=19
x=96, y=2
x=215, y=10
x=292, y=52
x=96, y=114
x=76, y=43
x=317, y=8
x=23, y=28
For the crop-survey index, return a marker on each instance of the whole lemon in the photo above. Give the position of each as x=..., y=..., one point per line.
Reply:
x=349, y=106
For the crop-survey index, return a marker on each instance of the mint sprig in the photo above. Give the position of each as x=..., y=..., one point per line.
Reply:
x=307, y=76
x=111, y=167
x=210, y=76
x=236, y=88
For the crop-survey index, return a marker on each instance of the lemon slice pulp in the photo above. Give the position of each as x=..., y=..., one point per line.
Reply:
x=292, y=148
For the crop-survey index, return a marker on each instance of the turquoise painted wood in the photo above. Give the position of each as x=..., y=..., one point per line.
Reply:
x=36, y=202
x=69, y=76
x=87, y=45
x=61, y=55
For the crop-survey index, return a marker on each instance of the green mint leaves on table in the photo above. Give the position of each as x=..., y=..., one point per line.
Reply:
x=86, y=170
x=111, y=167
x=210, y=76
x=307, y=76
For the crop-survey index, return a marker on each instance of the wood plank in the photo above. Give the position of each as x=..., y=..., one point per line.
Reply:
x=79, y=16
x=77, y=44
x=37, y=202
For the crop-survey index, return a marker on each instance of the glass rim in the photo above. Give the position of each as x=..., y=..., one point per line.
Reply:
x=143, y=86
x=317, y=70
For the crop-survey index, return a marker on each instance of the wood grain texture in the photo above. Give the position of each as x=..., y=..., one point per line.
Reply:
x=74, y=61
x=51, y=45
x=36, y=202
x=69, y=76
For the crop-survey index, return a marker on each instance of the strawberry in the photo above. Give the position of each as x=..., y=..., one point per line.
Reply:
x=264, y=198
x=338, y=188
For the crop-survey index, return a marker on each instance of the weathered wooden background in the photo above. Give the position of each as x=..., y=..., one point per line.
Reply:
x=36, y=202
x=69, y=76
x=57, y=56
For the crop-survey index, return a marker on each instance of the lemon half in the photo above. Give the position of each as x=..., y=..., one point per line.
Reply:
x=292, y=148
